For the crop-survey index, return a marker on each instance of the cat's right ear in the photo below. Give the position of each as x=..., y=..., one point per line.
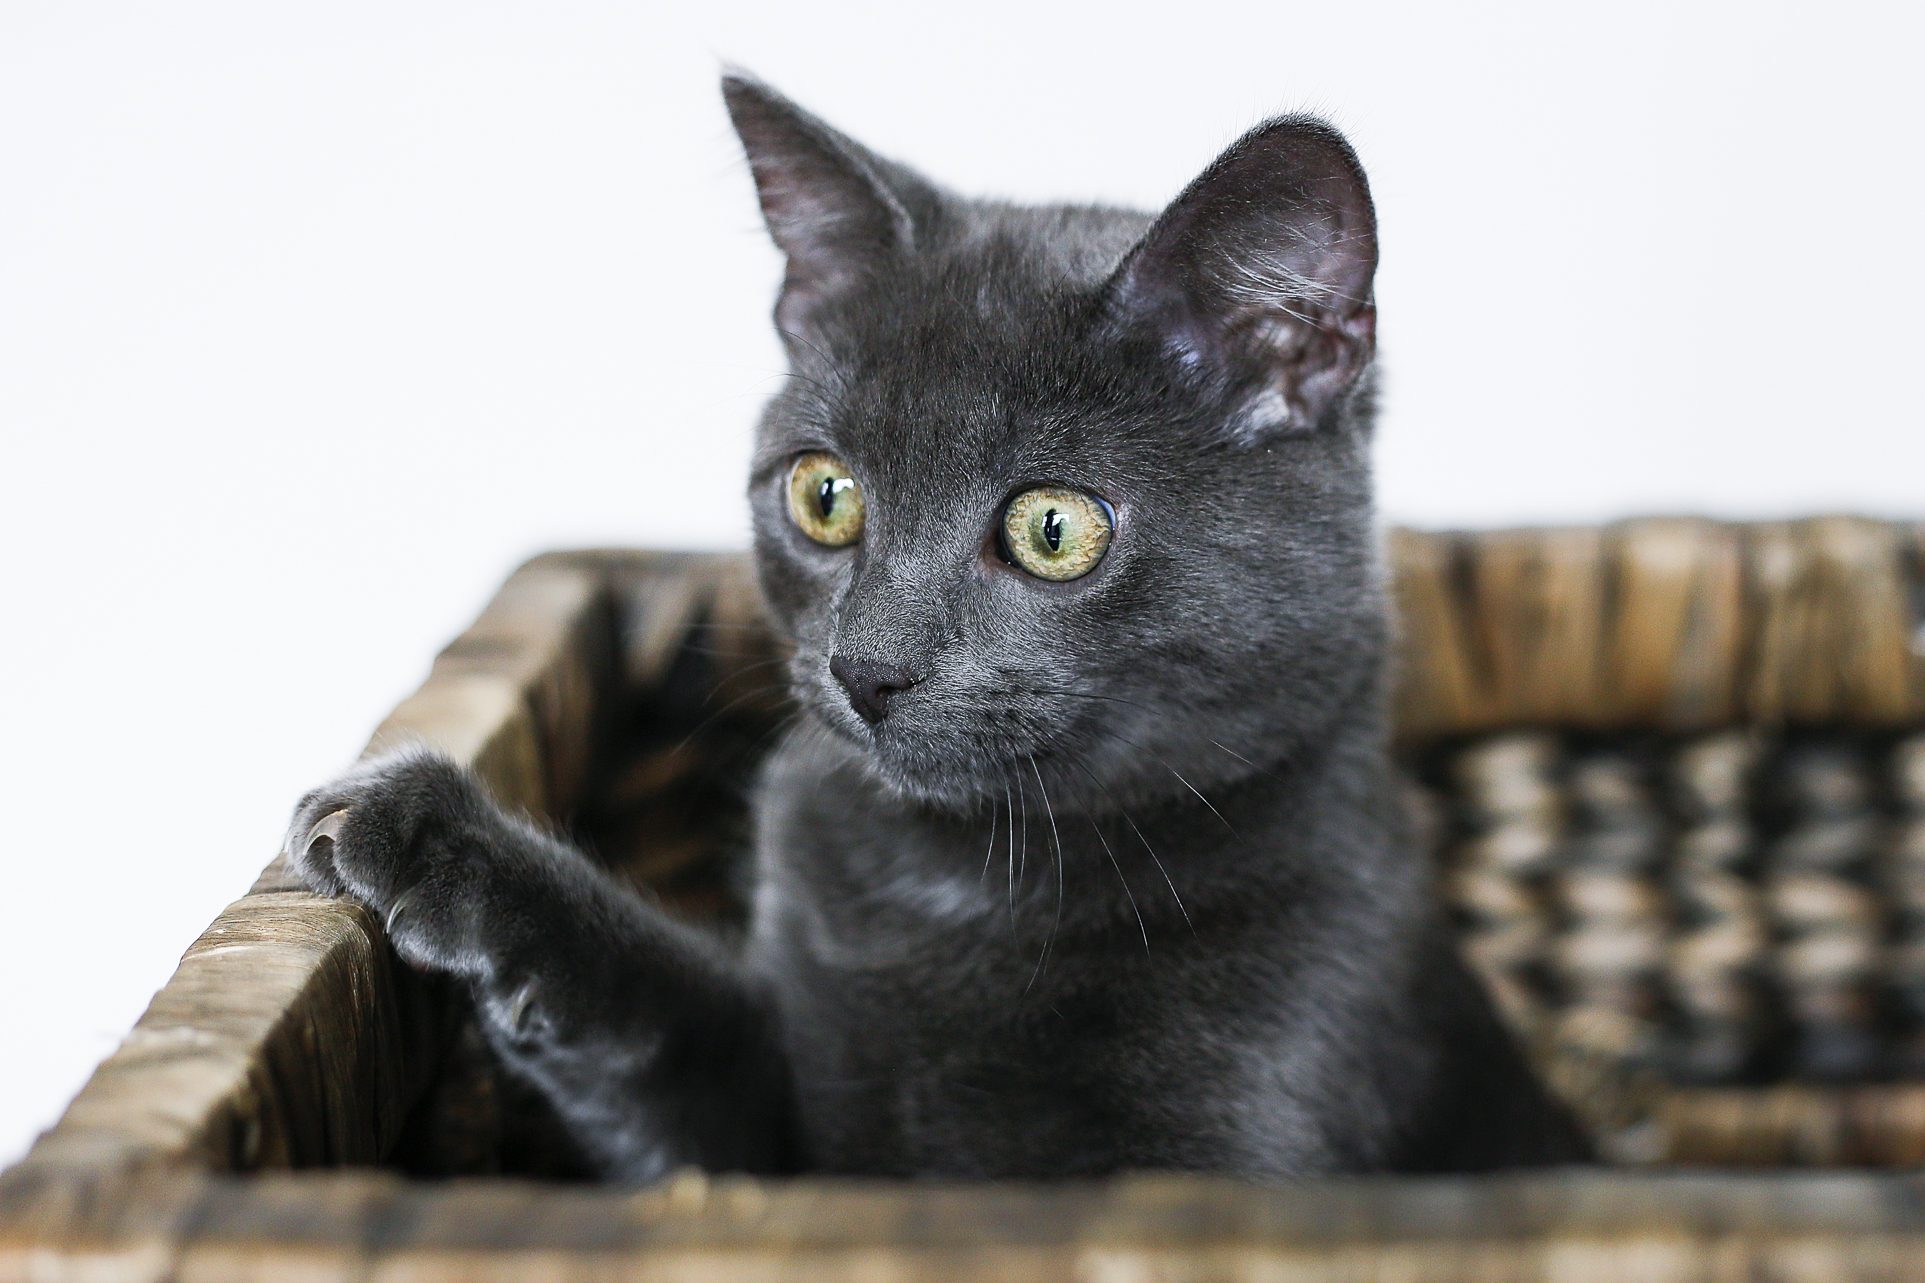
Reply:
x=1257, y=279
x=838, y=211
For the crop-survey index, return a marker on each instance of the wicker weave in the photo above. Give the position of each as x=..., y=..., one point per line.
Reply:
x=1674, y=776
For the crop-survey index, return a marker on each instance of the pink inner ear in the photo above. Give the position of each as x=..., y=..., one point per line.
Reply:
x=835, y=209
x=1260, y=273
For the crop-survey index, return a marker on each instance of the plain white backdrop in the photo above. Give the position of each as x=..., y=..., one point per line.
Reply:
x=314, y=319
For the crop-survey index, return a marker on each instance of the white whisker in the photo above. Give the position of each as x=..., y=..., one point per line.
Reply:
x=1126, y=884
x=990, y=853
x=1057, y=840
x=1150, y=850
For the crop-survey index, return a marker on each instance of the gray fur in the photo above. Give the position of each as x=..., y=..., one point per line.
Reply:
x=1120, y=877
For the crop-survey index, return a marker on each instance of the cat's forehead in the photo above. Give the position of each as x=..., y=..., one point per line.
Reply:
x=976, y=360
x=975, y=406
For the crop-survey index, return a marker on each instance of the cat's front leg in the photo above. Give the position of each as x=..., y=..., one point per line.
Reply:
x=654, y=1047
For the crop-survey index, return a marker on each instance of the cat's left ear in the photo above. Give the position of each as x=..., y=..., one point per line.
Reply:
x=1258, y=278
x=839, y=212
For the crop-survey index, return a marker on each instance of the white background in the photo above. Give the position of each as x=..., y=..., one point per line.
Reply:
x=315, y=318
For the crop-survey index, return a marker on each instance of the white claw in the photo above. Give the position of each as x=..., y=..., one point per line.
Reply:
x=518, y=1005
x=329, y=827
x=399, y=906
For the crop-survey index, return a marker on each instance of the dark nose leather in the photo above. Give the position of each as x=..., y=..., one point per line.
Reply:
x=870, y=684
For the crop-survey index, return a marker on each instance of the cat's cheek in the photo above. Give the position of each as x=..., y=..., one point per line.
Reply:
x=798, y=584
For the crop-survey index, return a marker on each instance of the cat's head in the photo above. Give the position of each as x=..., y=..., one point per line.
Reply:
x=1069, y=496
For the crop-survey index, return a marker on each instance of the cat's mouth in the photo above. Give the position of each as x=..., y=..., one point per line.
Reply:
x=903, y=751
x=934, y=746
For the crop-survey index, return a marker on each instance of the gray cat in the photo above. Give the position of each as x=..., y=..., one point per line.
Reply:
x=1090, y=856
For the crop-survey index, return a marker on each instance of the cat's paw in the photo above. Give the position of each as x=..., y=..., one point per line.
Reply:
x=412, y=836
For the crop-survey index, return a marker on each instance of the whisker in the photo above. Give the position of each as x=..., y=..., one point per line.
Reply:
x=1199, y=796
x=708, y=721
x=1057, y=840
x=1125, y=881
x=1180, y=908
x=1148, y=849
x=1240, y=757
x=741, y=672
x=835, y=371
x=786, y=723
x=1179, y=775
x=1012, y=848
x=722, y=652
x=817, y=384
x=1118, y=699
x=1110, y=699
x=990, y=853
x=1022, y=861
x=782, y=724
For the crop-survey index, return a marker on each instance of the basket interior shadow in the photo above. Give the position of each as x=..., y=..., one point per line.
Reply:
x=1672, y=772
x=1709, y=931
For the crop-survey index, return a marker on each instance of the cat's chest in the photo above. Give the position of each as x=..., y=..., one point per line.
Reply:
x=973, y=1061
x=942, y=1013
x=942, y=928
x=857, y=881
x=872, y=944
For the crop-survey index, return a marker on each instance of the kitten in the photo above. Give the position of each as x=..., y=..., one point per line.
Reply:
x=1091, y=856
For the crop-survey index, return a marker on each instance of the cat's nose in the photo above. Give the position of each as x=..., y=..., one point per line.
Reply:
x=870, y=684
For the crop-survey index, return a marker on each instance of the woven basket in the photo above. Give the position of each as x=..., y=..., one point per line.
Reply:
x=1674, y=775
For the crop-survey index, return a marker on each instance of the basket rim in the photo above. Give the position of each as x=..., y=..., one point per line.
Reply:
x=208, y=1082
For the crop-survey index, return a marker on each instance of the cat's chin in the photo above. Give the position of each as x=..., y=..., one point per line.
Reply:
x=944, y=795
x=917, y=769
x=920, y=778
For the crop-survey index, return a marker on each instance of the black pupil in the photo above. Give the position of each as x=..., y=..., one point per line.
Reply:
x=825, y=496
x=1053, y=530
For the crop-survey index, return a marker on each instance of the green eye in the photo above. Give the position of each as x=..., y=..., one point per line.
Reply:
x=1056, y=533
x=824, y=500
